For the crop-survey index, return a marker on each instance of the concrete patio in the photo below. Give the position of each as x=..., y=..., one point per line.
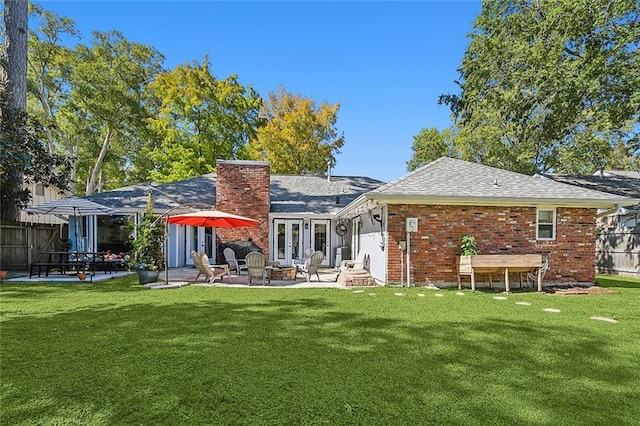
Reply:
x=179, y=277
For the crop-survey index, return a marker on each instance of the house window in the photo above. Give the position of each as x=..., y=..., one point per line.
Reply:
x=39, y=189
x=546, y=225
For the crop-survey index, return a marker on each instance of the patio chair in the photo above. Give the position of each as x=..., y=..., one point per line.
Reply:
x=312, y=265
x=360, y=262
x=237, y=264
x=256, y=267
x=307, y=255
x=210, y=272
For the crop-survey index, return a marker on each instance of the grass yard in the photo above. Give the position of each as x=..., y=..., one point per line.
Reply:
x=114, y=353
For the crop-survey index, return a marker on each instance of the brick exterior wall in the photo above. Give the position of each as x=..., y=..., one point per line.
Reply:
x=242, y=188
x=497, y=230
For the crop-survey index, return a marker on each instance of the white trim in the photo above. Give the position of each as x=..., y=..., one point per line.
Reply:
x=553, y=223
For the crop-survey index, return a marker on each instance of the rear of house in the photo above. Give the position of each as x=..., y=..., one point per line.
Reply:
x=506, y=212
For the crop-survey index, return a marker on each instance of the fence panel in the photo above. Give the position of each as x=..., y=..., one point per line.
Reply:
x=21, y=243
x=618, y=250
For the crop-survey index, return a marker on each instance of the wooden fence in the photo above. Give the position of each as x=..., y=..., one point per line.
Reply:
x=21, y=243
x=618, y=251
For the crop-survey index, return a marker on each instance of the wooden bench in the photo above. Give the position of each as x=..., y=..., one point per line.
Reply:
x=498, y=263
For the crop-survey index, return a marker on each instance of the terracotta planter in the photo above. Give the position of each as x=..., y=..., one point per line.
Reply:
x=82, y=276
x=146, y=277
x=3, y=274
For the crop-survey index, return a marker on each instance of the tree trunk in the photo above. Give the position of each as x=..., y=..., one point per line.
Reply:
x=92, y=182
x=14, y=78
x=15, y=44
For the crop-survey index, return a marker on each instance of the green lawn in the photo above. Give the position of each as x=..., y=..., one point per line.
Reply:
x=114, y=353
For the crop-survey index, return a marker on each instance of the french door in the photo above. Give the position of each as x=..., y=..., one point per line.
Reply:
x=287, y=244
x=200, y=239
x=320, y=238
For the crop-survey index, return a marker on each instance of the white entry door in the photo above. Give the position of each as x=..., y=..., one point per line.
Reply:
x=320, y=238
x=287, y=244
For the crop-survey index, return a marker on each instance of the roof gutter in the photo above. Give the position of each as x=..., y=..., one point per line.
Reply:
x=500, y=201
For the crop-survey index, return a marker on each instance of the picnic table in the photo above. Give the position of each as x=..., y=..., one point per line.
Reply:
x=65, y=262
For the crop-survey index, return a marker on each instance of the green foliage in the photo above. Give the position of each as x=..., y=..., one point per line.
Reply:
x=115, y=353
x=24, y=158
x=146, y=249
x=551, y=86
x=429, y=145
x=468, y=245
x=299, y=137
x=107, y=103
x=198, y=120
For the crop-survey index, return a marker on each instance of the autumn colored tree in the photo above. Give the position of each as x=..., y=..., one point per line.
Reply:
x=198, y=119
x=298, y=137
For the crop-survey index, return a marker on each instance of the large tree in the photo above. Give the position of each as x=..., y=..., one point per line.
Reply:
x=198, y=119
x=429, y=145
x=14, y=81
x=299, y=137
x=551, y=85
x=106, y=111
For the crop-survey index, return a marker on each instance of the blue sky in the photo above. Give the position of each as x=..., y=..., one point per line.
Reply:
x=386, y=63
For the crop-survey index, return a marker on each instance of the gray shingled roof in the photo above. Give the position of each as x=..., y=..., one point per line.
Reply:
x=316, y=194
x=289, y=193
x=201, y=189
x=457, y=181
x=626, y=184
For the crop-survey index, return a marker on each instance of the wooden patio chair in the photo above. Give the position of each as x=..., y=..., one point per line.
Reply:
x=312, y=265
x=256, y=267
x=210, y=272
x=236, y=264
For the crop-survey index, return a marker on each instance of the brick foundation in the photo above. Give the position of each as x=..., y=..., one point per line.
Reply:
x=497, y=230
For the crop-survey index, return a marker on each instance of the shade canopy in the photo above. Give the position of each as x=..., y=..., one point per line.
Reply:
x=72, y=206
x=212, y=219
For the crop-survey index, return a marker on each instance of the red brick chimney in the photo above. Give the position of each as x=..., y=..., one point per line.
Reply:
x=242, y=188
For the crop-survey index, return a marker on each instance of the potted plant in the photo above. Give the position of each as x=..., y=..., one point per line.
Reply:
x=82, y=275
x=468, y=246
x=146, y=256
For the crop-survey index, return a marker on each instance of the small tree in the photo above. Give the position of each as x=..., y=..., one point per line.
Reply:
x=146, y=248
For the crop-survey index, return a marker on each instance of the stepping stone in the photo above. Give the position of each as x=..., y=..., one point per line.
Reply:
x=358, y=291
x=554, y=310
x=499, y=297
x=372, y=294
x=605, y=319
x=420, y=294
x=438, y=295
x=523, y=303
x=459, y=293
x=399, y=294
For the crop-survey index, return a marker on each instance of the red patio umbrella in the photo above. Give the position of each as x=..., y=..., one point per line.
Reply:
x=212, y=219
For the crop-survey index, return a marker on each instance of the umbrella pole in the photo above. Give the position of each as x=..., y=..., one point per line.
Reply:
x=166, y=252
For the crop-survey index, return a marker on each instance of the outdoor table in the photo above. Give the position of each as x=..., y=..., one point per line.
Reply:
x=67, y=261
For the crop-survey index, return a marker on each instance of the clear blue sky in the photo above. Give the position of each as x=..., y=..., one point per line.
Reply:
x=386, y=63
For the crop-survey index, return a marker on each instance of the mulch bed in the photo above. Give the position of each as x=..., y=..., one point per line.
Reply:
x=573, y=291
